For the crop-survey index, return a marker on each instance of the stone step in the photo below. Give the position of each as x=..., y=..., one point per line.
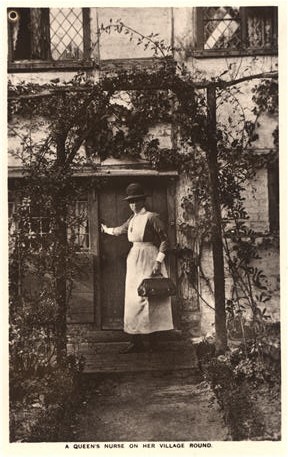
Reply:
x=105, y=357
x=78, y=334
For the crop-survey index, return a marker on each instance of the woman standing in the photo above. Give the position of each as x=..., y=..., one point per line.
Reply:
x=143, y=315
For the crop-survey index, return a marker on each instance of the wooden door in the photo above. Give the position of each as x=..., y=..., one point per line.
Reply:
x=114, y=211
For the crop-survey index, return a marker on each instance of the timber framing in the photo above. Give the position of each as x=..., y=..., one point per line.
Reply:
x=151, y=85
x=105, y=65
x=17, y=172
x=208, y=54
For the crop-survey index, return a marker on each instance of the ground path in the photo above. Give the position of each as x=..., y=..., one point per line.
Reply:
x=174, y=405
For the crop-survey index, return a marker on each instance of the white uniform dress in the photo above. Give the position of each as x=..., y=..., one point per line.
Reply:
x=143, y=315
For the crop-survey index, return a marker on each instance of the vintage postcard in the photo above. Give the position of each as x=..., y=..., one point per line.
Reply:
x=143, y=200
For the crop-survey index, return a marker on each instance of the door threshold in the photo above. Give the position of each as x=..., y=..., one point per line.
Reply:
x=95, y=335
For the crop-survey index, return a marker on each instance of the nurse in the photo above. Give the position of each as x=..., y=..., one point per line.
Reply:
x=143, y=315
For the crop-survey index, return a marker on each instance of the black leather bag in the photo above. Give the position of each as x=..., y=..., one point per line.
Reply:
x=156, y=286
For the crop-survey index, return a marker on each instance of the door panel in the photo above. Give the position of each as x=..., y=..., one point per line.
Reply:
x=113, y=252
x=114, y=211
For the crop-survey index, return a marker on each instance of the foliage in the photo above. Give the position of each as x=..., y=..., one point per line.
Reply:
x=39, y=388
x=234, y=399
x=239, y=376
x=38, y=257
x=46, y=403
x=250, y=289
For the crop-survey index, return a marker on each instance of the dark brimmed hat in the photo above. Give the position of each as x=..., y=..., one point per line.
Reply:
x=135, y=192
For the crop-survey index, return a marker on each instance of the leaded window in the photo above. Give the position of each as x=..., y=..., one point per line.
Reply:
x=66, y=33
x=48, y=34
x=37, y=223
x=222, y=28
x=237, y=29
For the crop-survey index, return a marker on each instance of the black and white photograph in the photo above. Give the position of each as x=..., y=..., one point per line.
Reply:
x=143, y=227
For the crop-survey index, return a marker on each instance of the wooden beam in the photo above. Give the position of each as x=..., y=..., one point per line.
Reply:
x=50, y=65
x=86, y=33
x=95, y=249
x=176, y=85
x=18, y=172
x=223, y=53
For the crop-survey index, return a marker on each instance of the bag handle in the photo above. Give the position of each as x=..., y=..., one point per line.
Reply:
x=157, y=275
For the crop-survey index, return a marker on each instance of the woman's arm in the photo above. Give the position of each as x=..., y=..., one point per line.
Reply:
x=162, y=238
x=161, y=235
x=116, y=231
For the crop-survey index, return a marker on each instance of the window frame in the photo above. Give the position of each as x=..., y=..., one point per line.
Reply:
x=38, y=217
x=199, y=50
x=49, y=64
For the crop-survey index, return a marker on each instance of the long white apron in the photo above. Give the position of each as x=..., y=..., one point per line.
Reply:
x=143, y=315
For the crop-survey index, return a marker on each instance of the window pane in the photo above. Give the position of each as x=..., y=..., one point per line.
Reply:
x=11, y=221
x=11, y=209
x=78, y=229
x=260, y=28
x=66, y=33
x=222, y=28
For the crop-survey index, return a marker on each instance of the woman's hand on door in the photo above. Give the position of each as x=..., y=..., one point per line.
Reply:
x=107, y=230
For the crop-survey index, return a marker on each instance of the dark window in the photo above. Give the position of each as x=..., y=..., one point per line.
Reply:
x=236, y=29
x=54, y=34
x=28, y=33
x=261, y=24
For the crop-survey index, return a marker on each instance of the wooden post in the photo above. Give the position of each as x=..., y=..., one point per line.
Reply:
x=217, y=244
x=60, y=205
x=61, y=277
